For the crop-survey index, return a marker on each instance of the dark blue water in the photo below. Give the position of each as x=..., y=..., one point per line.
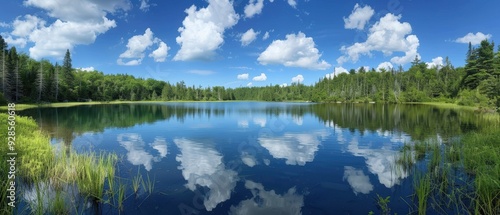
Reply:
x=252, y=157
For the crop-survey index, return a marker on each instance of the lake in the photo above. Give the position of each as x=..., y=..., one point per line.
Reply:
x=254, y=157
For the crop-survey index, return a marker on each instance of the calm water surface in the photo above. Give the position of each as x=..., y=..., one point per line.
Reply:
x=255, y=157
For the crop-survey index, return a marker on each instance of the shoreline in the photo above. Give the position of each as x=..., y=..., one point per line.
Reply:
x=72, y=104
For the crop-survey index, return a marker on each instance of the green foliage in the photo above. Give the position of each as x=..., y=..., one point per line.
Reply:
x=472, y=98
x=383, y=204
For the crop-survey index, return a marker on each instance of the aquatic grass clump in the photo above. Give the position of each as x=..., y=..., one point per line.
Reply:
x=92, y=171
x=435, y=158
x=122, y=188
x=420, y=148
x=34, y=155
x=481, y=152
x=34, y=152
x=406, y=158
x=149, y=184
x=42, y=170
x=58, y=205
x=136, y=182
x=422, y=185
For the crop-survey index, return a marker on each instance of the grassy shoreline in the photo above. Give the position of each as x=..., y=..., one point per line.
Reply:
x=41, y=170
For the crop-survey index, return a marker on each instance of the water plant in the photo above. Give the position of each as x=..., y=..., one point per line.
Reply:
x=405, y=159
x=383, y=204
x=42, y=168
x=149, y=184
x=92, y=172
x=121, y=195
x=422, y=187
x=58, y=205
x=136, y=182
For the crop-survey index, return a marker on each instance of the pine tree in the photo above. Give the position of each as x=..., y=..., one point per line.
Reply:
x=40, y=82
x=19, y=85
x=68, y=77
x=5, y=77
x=3, y=71
x=10, y=65
x=56, y=82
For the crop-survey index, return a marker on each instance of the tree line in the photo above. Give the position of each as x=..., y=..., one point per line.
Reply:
x=26, y=80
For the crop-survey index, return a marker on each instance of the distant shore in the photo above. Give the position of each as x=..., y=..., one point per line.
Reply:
x=71, y=104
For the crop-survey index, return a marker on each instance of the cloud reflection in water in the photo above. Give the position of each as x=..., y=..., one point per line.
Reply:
x=203, y=166
x=359, y=182
x=296, y=148
x=136, y=154
x=268, y=202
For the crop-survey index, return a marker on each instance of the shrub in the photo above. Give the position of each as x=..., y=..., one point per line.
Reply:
x=472, y=98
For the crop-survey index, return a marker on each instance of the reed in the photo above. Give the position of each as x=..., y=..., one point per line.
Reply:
x=422, y=186
x=481, y=152
x=149, y=184
x=92, y=171
x=136, y=182
x=406, y=159
x=39, y=166
x=58, y=205
x=435, y=158
x=122, y=188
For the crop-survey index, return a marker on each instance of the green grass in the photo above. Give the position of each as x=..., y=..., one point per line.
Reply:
x=406, y=158
x=149, y=184
x=122, y=189
x=92, y=170
x=481, y=153
x=445, y=105
x=462, y=175
x=58, y=205
x=422, y=185
x=37, y=164
x=136, y=182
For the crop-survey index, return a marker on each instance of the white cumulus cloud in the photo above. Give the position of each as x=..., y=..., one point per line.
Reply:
x=76, y=23
x=388, y=35
x=436, y=63
x=261, y=77
x=337, y=71
x=292, y=3
x=359, y=17
x=203, y=30
x=253, y=7
x=160, y=54
x=138, y=44
x=243, y=76
x=298, y=79
x=248, y=37
x=384, y=65
x=296, y=51
x=474, y=39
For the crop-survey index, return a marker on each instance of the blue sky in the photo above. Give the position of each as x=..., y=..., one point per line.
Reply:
x=246, y=42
